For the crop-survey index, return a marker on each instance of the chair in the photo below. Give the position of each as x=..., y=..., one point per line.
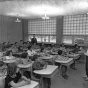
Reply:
x=36, y=79
x=2, y=82
x=55, y=57
x=85, y=84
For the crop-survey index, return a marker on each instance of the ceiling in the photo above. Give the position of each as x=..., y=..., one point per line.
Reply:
x=31, y=9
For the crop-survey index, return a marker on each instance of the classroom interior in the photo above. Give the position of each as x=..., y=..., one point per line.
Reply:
x=67, y=23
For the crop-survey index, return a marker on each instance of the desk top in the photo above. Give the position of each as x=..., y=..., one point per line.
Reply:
x=64, y=61
x=86, y=53
x=17, y=52
x=10, y=61
x=54, y=53
x=47, y=71
x=25, y=65
x=32, y=85
x=73, y=55
x=47, y=57
x=36, y=50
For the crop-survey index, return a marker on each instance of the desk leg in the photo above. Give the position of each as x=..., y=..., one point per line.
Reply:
x=46, y=82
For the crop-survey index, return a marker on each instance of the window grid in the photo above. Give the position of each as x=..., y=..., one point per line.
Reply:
x=44, y=38
x=75, y=25
x=45, y=30
x=47, y=27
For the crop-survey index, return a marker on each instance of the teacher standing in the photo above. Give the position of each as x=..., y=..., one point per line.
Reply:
x=86, y=65
x=34, y=40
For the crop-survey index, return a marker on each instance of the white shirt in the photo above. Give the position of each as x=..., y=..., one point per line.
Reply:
x=31, y=52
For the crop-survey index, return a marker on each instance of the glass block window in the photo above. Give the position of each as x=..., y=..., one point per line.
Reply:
x=40, y=26
x=53, y=39
x=79, y=39
x=67, y=39
x=44, y=38
x=44, y=30
x=75, y=25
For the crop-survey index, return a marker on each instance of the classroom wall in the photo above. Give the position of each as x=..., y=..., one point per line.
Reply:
x=25, y=30
x=10, y=30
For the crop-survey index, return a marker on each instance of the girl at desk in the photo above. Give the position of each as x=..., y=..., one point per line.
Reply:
x=15, y=78
x=30, y=51
x=9, y=55
x=25, y=58
x=42, y=47
x=40, y=64
x=63, y=67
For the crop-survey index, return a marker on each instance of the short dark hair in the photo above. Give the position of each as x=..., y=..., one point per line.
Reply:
x=62, y=45
x=24, y=55
x=4, y=43
x=59, y=52
x=8, y=52
x=15, y=42
x=1, y=63
x=11, y=69
x=8, y=41
x=29, y=47
x=21, y=40
x=12, y=44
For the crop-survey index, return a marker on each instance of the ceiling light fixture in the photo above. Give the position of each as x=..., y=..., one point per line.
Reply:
x=45, y=16
x=17, y=20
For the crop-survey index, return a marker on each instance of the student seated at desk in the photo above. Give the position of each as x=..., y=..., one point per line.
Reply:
x=4, y=46
x=14, y=77
x=21, y=43
x=24, y=45
x=1, y=54
x=63, y=67
x=20, y=49
x=72, y=66
x=3, y=68
x=8, y=44
x=40, y=64
x=30, y=51
x=42, y=47
x=9, y=55
x=35, y=46
x=28, y=43
x=13, y=48
x=76, y=48
x=16, y=44
x=25, y=58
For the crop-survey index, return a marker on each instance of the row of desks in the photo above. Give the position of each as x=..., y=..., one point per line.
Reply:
x=48, y=72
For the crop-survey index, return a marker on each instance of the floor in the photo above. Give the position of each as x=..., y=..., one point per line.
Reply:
x=75, y=79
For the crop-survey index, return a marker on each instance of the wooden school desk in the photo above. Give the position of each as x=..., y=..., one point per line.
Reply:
x=49, y=72
x=48, y=58
x=9, y=61
x=74, y=56
x=65, y=62
x=33, y=84
x=26, y=67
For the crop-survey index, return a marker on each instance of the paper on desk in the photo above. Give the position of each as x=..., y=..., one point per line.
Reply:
x=86, y=53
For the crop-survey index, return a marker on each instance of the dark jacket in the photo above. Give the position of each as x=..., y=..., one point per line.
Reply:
x=33, y=40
